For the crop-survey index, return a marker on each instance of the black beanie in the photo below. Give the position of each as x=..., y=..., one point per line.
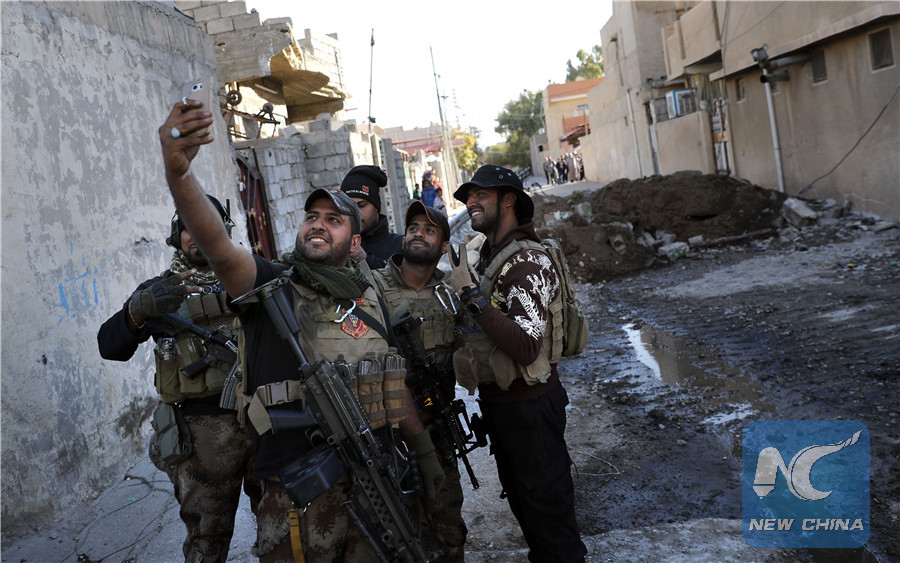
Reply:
x=365, y=182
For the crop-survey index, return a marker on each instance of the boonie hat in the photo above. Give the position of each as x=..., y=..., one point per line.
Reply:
x=491, y=176
x=344, y=203
x=434, y=216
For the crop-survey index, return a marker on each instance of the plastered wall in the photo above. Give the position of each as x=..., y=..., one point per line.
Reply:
x=85, y=212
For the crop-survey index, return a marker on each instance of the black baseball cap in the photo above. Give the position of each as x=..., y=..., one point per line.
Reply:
x=498, y=177
x=344, y=203
x=434, y=216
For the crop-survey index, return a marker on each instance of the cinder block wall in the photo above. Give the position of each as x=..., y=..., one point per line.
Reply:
x=85, y=213
x=292, y=166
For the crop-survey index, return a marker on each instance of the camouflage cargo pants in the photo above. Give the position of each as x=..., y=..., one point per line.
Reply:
x=326, y=531
x=444, y=528
x=208, y=484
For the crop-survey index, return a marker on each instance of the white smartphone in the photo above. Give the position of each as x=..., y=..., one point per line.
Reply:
x=201, y=90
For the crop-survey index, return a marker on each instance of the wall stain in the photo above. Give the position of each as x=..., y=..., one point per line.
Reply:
x=130, y=422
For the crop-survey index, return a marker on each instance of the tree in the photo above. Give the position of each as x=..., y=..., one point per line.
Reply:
x=519, y=120
x=591, y=64
x=468, y=155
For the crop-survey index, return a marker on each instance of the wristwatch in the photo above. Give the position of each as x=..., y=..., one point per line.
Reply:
x=476, y=307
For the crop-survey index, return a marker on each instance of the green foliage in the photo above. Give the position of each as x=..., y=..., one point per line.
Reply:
x=495, y=154
x=519, y=120
x=468, y=156
x=591, y=64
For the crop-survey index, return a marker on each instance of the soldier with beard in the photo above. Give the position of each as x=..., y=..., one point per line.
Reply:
x=217, y=458
x=412, y=283
x=341, y=322
x=512, y=362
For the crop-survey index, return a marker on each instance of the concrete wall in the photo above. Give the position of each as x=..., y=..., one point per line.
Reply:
x=395, y=196
x=539, y=149
x=555, y=119
x=685, y=143
x=699, y=32
x=787, y=26
x=820, y=122
x=283, y=167
x=85, y=212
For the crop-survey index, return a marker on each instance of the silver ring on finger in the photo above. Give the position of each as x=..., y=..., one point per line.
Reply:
x=175, y=133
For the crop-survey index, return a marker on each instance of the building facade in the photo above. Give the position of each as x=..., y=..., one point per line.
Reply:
x=797, y=96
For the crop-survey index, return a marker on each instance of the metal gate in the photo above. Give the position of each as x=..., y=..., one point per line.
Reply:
x=719, y=118
x=253, y=196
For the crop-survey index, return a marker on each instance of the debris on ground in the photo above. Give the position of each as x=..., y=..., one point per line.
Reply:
x=630, y=225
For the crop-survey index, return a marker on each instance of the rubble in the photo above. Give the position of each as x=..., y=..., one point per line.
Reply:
x=629, y=225
x=798, y=213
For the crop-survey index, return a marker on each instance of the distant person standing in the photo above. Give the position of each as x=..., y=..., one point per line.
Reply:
x=417, y=194
x=570, y=166
x=549, y=171
x=562, y=170
x=580, y=164
x=428, y=189
x=439, y=200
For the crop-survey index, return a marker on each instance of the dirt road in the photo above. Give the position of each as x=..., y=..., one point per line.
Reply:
x=682, y=357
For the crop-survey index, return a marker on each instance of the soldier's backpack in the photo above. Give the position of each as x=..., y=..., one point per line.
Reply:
x=574, y=321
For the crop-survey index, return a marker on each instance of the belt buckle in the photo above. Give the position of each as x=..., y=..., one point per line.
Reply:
x=277, y=393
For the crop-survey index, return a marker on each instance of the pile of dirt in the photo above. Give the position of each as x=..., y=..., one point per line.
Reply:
x=622, y=227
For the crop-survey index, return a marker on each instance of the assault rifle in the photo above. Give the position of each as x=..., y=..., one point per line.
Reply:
x=217, y=348
x=457, y=435
x=351, y=443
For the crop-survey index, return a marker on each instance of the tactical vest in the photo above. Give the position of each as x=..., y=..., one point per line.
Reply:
x=481, y=361
x=208, y=311
x=434, y=304
x=369, y=366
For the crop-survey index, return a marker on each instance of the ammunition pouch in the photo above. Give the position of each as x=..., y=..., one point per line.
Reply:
x=379, y=385
x=173, y=354
x=171, y=433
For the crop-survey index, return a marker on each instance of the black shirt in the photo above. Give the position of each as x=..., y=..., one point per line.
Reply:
x=380, y=244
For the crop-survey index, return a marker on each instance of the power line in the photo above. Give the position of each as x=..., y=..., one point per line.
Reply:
x=856, y=144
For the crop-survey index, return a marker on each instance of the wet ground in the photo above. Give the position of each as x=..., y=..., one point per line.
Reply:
x=801, y=326
x=681, y=358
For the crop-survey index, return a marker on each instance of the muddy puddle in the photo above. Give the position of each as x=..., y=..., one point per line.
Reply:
x=691, y=367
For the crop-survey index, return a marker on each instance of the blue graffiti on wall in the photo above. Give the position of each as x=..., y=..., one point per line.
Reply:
x=79, y=292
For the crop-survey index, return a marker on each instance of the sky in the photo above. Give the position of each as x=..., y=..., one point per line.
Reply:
x=485, y=53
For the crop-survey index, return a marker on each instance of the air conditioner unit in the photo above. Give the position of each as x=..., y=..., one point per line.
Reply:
x=680, y=102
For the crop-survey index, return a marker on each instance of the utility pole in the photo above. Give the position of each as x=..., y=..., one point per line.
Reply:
x=447, y=152
x=371, y=68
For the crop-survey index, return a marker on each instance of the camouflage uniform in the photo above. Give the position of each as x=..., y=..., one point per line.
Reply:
x=444, y=527
x=326, y=531
x=208, y=484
